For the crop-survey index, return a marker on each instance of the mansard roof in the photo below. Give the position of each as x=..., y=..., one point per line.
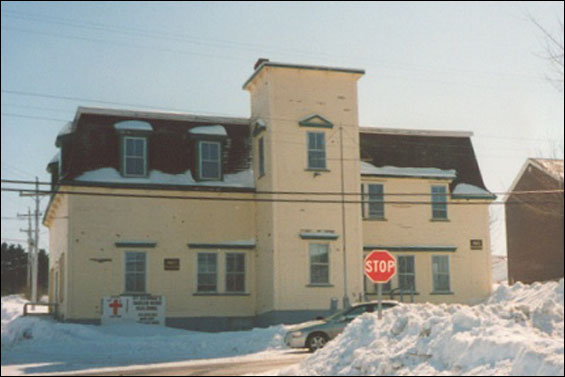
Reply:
x=403, y=148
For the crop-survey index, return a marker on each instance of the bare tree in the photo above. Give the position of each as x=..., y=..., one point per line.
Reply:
x=553, y=52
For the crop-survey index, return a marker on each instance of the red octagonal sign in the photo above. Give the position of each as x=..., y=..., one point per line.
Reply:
x=380, y=266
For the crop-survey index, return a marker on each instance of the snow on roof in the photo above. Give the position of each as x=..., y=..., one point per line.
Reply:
x=55, y=158
x=467, y=190
x=67, y=129
x=242, y=179
x=133, y=125
x=209, y=130
x=370, y=169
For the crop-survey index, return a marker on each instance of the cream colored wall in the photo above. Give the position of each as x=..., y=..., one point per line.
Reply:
x=292, y=95
x=58, y=224
x=99, y=222
x=405, y=225
x=265, y=216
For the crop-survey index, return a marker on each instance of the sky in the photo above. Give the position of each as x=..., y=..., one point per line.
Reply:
x=476, y=67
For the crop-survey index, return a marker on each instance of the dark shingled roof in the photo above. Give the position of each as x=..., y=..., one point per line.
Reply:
x=419, y=151
x=94, y=143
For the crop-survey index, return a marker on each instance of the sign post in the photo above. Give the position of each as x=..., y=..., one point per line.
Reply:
x=380, y=267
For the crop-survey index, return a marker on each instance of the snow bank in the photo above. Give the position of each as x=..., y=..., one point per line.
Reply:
x=55, y=347
x=518, y=331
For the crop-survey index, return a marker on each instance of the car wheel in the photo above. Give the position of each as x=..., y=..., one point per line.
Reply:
x=316, y=341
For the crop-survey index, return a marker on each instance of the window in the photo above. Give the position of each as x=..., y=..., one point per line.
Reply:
x=316, y=150
x=210, y=160
x=372, y=289
x=135, y=272
x=406, y=274
x=319, y=263
x=134, y=156
x=439, y=202
x=440, y=270
x=261, y=152
x=235, y=272
x=207, y=272
x=376, y=201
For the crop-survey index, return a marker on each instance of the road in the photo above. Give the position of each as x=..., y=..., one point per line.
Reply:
x=235, y=366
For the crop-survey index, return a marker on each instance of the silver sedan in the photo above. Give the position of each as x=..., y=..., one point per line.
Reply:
x=315, y=334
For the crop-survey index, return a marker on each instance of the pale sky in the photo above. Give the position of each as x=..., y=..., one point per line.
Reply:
x=447, y=66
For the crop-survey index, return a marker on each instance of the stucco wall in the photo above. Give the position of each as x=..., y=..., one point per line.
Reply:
x=288, y=96
x=58, y=223
x=412, y=225
x=100, y=222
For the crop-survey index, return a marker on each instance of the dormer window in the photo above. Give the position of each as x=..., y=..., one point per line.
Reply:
x=134, y=156
x=210, y=160
x=133, y=139
x=208, y=141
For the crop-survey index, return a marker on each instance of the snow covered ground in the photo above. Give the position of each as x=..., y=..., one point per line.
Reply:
x=518, y=331
x=40, y=345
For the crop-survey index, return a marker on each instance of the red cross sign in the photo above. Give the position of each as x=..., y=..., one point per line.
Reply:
x=115, y=305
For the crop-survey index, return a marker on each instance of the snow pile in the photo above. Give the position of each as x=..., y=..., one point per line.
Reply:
x=62, y=347
x=12, y=307
x=518, y=331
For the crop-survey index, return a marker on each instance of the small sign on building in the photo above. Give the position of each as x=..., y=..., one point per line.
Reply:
x=476, y=244
x=146, y=309
x=172, y=264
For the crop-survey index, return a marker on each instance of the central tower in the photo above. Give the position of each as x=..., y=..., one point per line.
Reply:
x=305, y=142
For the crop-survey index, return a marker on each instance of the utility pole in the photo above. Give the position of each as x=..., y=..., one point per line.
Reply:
x=345, y=296
x=35, y=253
x=29, y=246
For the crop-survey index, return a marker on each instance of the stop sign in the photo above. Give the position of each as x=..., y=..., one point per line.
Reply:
x=380, y=266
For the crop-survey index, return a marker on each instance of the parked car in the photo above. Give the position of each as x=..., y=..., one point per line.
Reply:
x=315, y=334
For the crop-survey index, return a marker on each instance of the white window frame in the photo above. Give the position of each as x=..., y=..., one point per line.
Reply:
x=145, y=280
x=434, y=274
x=323, y=150
x=244, y=272
x=310, y=264
x=125, y=156
x=198, y=272
x=400, y=273
x=200, y=160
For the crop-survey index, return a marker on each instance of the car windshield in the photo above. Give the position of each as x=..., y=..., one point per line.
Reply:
x=353, y=311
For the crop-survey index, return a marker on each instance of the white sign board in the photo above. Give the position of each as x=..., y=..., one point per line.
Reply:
x=149, y=310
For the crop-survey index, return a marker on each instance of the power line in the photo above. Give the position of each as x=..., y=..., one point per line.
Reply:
x=216, y=43
x=70, y=98
x=334, y=193
x=256, y=200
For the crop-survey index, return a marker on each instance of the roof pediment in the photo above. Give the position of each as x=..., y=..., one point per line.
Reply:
x=315, y=120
